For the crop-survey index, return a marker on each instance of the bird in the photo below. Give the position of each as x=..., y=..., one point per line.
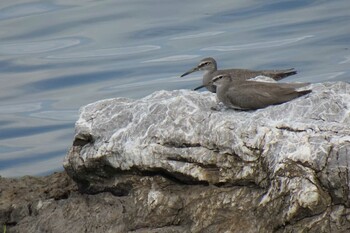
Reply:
x=209, y=65
x=251, y=95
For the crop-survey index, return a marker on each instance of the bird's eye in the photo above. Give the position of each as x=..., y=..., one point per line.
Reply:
x=218, y=78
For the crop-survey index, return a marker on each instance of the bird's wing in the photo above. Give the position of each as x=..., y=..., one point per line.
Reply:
x=254, y=95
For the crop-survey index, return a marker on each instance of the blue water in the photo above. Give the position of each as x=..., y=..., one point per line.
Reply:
x=58, y=55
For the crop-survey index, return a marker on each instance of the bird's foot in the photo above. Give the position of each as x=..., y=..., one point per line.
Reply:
x=219, y=107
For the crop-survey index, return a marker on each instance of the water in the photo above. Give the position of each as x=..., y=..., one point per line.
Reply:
x=56, y=56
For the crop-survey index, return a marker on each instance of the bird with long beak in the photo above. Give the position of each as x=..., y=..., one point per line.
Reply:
x=251, y=95
x=209, y=66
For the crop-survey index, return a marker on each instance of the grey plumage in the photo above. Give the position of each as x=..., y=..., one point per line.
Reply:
x=250, y=95
x=209, y=65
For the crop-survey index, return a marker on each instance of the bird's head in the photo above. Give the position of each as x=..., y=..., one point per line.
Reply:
x=221, y=79
x=206, y=64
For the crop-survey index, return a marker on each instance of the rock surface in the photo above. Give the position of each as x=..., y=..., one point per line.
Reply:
x=281, y=167
x=33, y=204
x=167, y=163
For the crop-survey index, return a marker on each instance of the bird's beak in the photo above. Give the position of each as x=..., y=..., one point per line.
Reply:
x=209, y=84
x=197, y=88
x=190, y=71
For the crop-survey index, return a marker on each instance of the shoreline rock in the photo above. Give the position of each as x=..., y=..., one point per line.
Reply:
x=167, y=163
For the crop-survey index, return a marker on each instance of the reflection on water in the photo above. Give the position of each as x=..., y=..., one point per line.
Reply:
x=37, y=46
x=173, y=58
x=26, y=9
x=107, y=52
x=258, y=45
x=346, y=60
x=198, y=35
x=57, y=56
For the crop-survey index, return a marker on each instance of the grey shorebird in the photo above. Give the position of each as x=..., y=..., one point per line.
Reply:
x=209, y=65
x=251, y=95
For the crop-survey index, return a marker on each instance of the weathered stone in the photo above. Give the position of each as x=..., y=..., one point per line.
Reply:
x=293, y=157
x=167, y=163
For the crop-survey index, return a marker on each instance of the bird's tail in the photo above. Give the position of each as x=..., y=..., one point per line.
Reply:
x=281, y=74
x=301, y=93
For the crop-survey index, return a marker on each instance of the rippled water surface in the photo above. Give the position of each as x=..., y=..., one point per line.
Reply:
x=58, y=55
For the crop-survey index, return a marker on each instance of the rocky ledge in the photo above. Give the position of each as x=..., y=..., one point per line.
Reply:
x=168, y=163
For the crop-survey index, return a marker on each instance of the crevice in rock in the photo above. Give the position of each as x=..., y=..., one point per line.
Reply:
x=302, y=164
x=328, y=158
x=239, y=183
x=176, y=177
x=10, y=224
x=62, y=196
x=170, y=227
x=180, y=145
x=257, y=151
x=123, y=189
x=189, y=160
x=82, y=139
x=300, y=219
x=319, y=118
x=119, y=190
x=30, y=210
x=290, y=129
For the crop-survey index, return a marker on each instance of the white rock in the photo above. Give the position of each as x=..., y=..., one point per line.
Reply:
x=300, y=149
